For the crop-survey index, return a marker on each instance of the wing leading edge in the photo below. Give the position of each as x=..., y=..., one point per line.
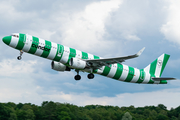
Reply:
x=108, y=61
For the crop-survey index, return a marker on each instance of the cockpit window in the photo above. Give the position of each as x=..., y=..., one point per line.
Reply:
x=15, y=36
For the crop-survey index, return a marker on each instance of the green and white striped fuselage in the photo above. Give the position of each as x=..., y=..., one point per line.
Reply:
x=63, y=54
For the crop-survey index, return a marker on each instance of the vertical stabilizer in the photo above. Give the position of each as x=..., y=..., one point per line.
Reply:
x=156, y=67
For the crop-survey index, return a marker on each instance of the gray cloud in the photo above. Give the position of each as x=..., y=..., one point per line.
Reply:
x=170, y=29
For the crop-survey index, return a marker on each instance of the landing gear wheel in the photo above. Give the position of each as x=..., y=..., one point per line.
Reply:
x=90, y=76
x=19, y=57
x=77, y=77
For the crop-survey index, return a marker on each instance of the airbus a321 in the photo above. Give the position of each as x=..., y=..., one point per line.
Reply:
x=65, y=59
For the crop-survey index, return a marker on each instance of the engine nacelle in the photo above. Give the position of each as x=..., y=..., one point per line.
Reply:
x=77, y=63
x=59, y=66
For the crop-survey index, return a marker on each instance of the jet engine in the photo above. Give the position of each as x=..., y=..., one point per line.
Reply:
x=59, y=66
x=77, y=63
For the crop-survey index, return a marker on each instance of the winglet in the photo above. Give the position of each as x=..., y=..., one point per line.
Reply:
x=140, y=52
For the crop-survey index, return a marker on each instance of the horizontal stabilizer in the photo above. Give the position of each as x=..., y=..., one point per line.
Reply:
x=162, y=78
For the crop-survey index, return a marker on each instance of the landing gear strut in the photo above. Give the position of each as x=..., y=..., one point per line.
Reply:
x=77, y=77
x=19, y=57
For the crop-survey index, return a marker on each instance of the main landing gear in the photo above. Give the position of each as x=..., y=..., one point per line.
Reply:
x=90, y=76
x=20, y=57
x=78, y=77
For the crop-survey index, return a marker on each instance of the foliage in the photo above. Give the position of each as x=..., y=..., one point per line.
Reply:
x=50, y=110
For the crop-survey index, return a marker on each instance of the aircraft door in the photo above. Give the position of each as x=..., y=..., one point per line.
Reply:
x=26, y=38
x=60, y=50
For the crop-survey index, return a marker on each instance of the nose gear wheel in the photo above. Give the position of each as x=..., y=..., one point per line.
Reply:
x=20, y=57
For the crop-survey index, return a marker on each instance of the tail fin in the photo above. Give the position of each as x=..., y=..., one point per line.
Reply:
x=156, y=67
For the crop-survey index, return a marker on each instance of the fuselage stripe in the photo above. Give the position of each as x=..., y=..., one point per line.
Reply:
x=59, y=52
x=47, y=49
x=147, y=78
x=141, y=76
x=84, y=55
x=72, y=53
x=96, y=57
x=124, y=73
x=112, y=71
x=34, y=46
x=53, y=51
x=20, y=44
x=130, y=74
x=136, y=75
x=106, y=70
x=14, y=42
x=78, y=54
x=40, y=47
x=90, y=56
x=28, y=43
x=118, y=71
x=65, y=56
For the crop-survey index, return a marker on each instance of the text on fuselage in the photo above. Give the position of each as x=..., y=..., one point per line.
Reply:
x=40, y=47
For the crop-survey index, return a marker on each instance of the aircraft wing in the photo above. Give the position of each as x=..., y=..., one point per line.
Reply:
x=107, y=61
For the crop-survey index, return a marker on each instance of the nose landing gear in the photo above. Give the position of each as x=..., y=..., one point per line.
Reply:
x=20, y=57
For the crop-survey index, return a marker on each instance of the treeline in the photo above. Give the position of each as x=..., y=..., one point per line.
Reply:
x=58, y=111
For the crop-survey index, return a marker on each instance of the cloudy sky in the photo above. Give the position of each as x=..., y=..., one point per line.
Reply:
x=107, y=28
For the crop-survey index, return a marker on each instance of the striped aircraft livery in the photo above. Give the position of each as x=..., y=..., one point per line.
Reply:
x=65, y=59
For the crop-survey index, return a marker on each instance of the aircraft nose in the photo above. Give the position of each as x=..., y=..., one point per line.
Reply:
x=7, y=40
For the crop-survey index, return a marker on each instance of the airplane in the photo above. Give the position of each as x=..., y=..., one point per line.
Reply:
x=65, y=59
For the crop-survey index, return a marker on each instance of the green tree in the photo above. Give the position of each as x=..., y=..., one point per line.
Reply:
x=153, y=114
x=48, y=110
x=13, y=116
x=4, y=112
x=174, y=118
x=127, y=116
x=63, y=116
x=62, y=112
x=19, y=105
x=29, y=114
x=26, y=112
x=161, y=106
x=20, y=114
x=11, y=105
x=37, y=112
x=162, y=117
